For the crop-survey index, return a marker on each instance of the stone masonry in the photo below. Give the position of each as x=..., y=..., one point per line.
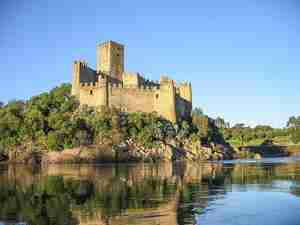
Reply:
x=109, y=85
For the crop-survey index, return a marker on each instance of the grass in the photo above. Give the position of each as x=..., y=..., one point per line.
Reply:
x=237, y=143
x=284, y=140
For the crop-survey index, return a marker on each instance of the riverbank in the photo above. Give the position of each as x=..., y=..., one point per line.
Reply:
x=273, y=150
x=132, y=152
x=125, y=152
x=293, y=150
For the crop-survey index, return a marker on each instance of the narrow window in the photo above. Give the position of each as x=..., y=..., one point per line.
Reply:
x=91, y=92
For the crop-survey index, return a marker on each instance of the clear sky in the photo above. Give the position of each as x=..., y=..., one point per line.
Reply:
x=242, y=56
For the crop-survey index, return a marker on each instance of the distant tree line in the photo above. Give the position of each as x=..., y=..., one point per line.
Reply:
x=241, y=135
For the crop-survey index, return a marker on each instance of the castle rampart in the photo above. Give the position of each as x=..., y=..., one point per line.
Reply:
x=110, y=86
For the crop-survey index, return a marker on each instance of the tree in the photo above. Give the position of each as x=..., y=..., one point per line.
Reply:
x=239, y=125
x=54, y=141
x=293, y=125
x=293, y=122
x=202, y=124
x=11, y=125
x=197, y=111
x=220, y=123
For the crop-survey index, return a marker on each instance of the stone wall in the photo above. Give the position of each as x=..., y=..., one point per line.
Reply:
x=131, y=80
x=183, y=100
x=183, y=107
x=184, y=90
x=166, y=99
x=132, y=99
x=92, y=94
x=87, y=75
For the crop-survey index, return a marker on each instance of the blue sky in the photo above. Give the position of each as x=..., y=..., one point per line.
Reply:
x=242, y=56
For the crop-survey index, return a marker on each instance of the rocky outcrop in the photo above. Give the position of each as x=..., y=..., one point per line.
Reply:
x=128, y=151
x=132, y=152
x=3, y=157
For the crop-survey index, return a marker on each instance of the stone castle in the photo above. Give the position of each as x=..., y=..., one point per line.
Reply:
x=109, y=85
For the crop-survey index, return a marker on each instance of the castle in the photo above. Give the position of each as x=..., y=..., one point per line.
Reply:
x=109, y=85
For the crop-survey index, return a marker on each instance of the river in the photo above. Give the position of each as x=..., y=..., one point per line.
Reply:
x=239, y=192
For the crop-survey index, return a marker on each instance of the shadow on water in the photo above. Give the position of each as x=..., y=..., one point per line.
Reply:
x=134, y=194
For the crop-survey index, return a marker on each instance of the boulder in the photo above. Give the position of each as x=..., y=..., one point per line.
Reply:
x=257, y=156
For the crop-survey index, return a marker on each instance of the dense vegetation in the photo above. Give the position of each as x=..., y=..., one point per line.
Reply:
x=294, y=128
x=54, y=121
x=241, y=135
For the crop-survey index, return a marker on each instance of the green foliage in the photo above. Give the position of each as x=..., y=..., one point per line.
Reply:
x=44, y=120
x=220, y=123
x=241, y=135
x=201, y=123
x=293, y=125
x=11, y=122
x=205, y=127
x=148, y=128
x=54, y=139
x=295, y=136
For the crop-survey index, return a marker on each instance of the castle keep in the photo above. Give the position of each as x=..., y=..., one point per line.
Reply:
x=109, y=85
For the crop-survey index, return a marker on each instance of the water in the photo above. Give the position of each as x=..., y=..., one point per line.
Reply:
x=265, y=192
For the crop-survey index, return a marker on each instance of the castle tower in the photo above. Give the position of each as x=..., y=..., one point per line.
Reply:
x=76, y=79
x=81, y=73
x=103, y=90
x=110, y=59
x=184, y=100
x=166, y=104
x=78, y=71
x=185, y=91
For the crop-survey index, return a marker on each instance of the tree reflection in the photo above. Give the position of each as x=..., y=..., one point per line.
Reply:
x=128, y=194
x=35, y=205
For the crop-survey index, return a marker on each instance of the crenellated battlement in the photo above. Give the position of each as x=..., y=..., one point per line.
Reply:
x=184, y=84
x=89, y=84
x=110, y=86
x=81, y=63
x=149, y=82
x=139, y=88
x=115, y=85
x=148, y=88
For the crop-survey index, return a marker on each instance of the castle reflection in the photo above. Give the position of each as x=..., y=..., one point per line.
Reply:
x=133, y=194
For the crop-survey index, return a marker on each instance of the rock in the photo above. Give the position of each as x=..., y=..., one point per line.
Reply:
x=167, y=154
x=257, y=156
x=3, y=157
x=215, y=156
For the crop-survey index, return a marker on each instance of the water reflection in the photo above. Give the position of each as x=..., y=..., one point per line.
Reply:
x=164, y=194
